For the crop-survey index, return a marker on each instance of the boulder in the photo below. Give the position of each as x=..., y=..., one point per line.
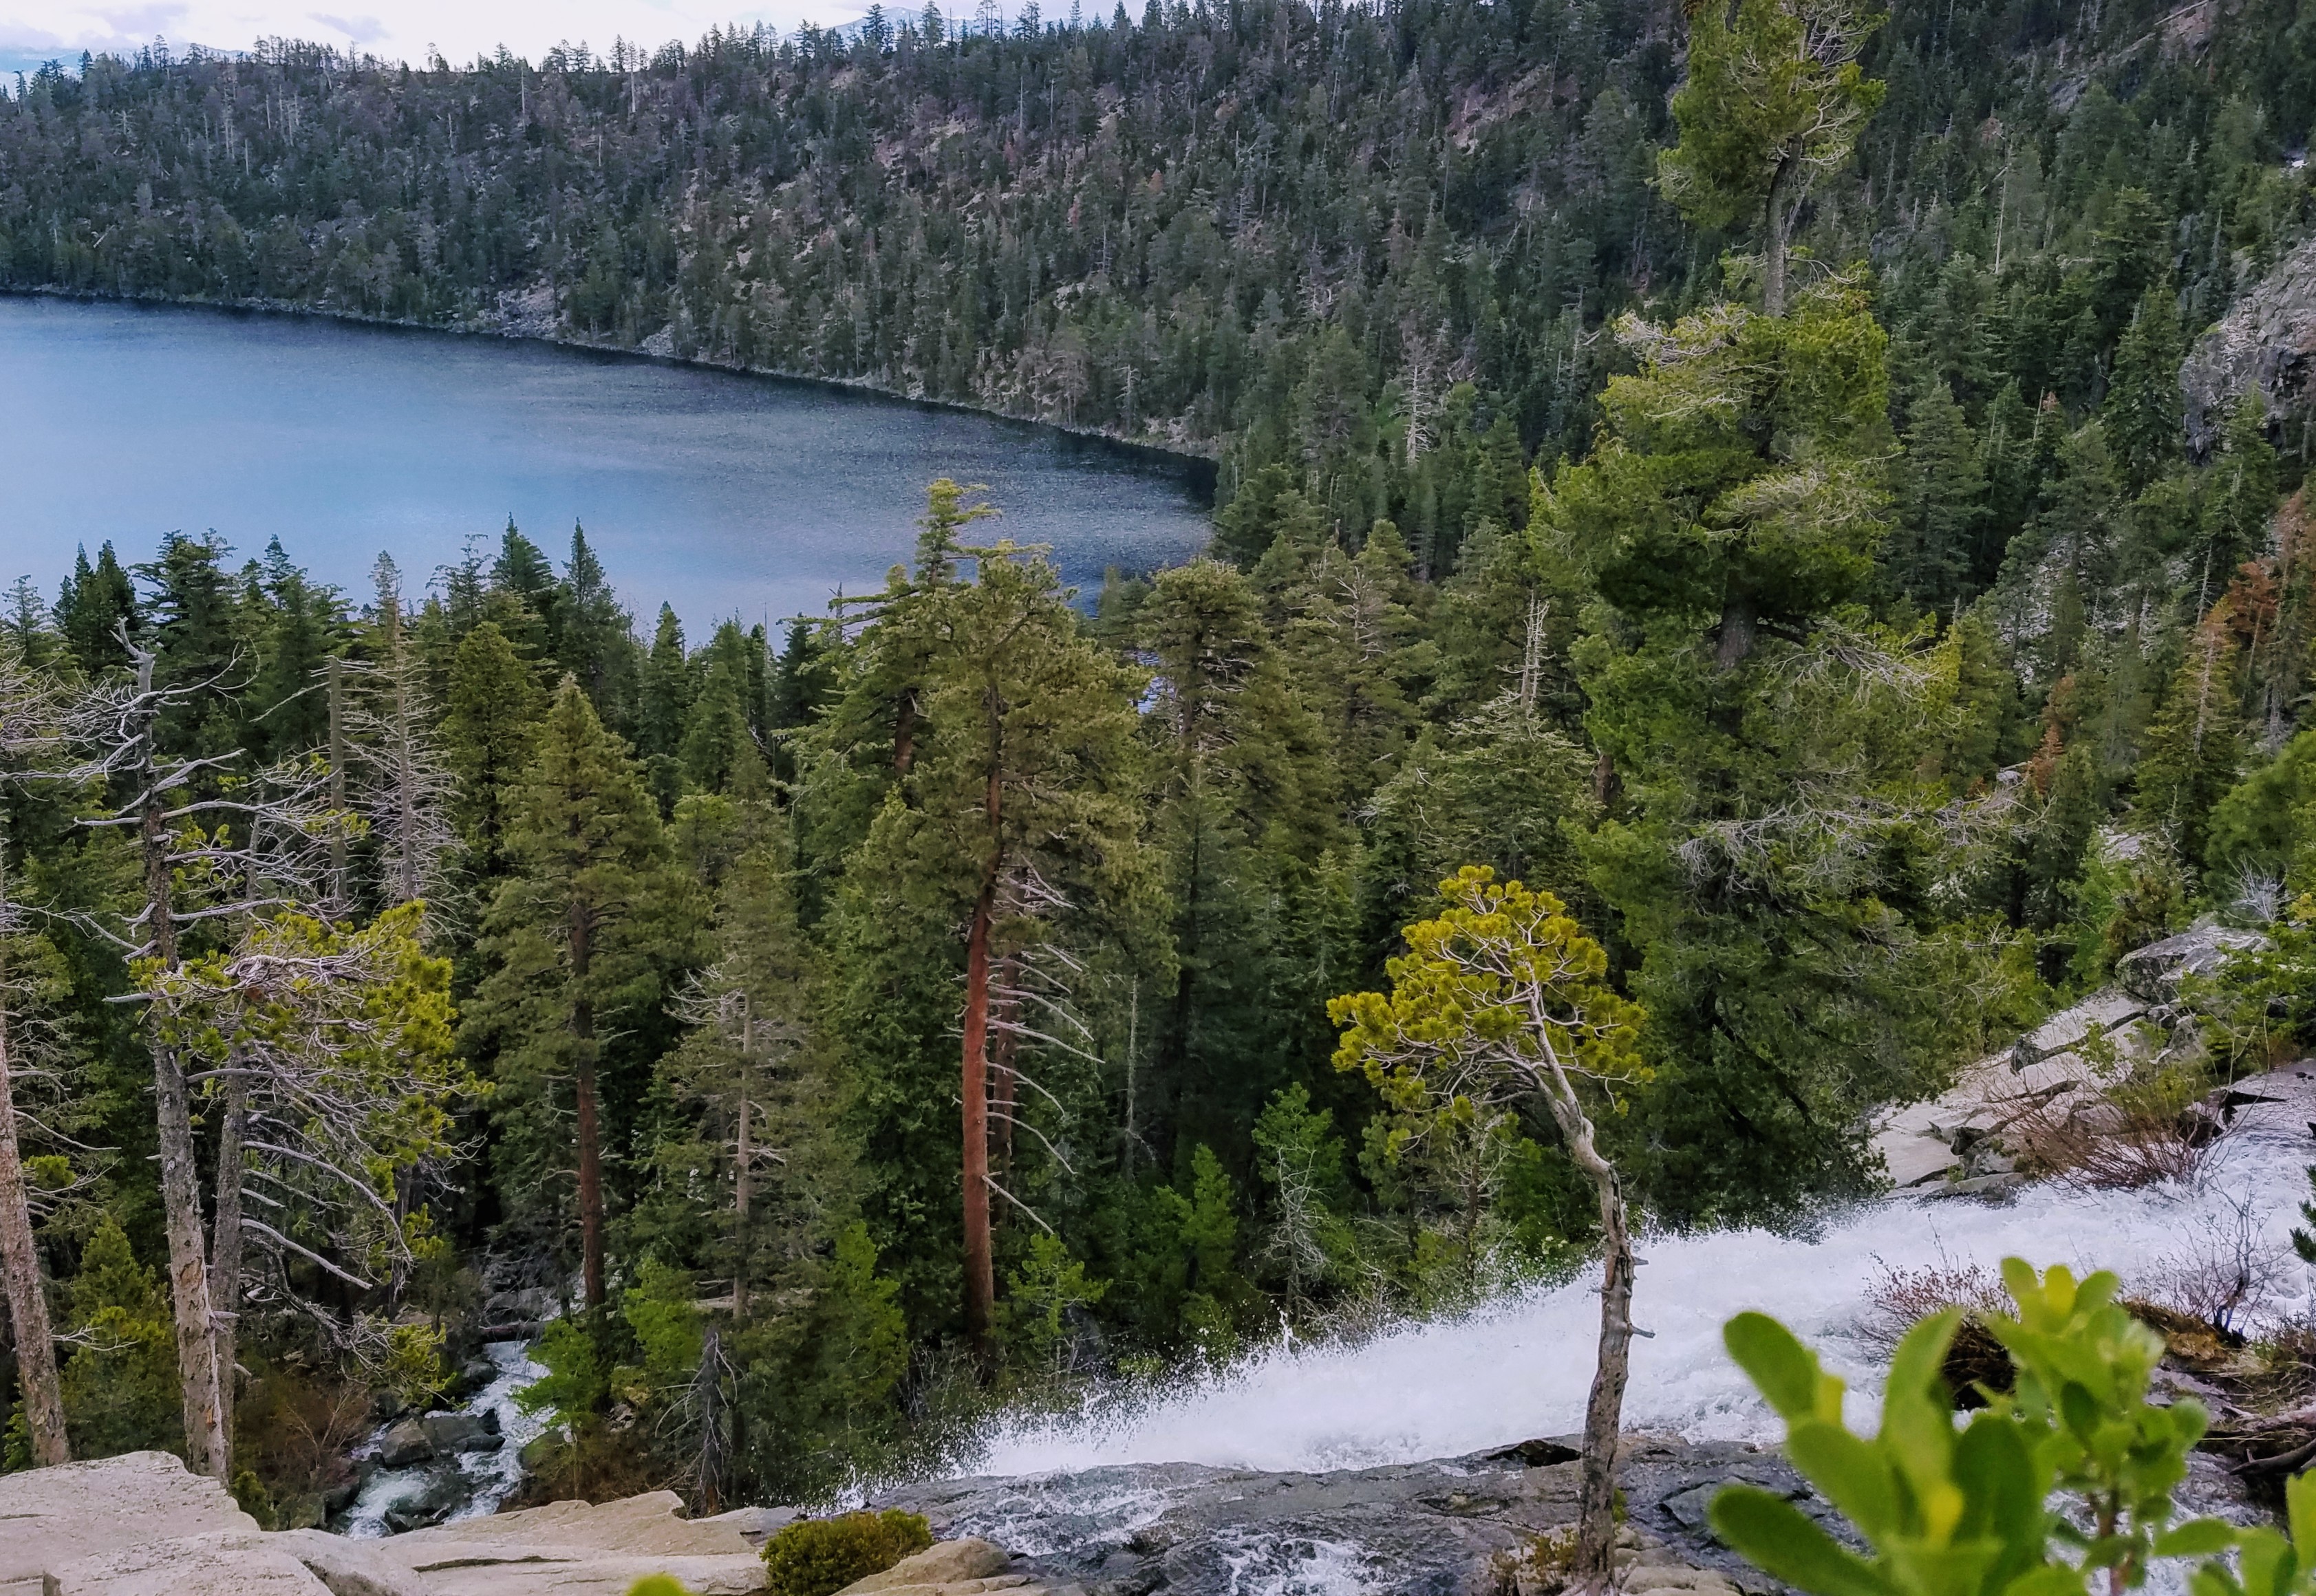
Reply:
x=439, y=1497
x=571, y=1548
x=2153, y=973
x=55, y=1517
x=404, y=1444
x=2107, y=1009
x=952, y=1568
x=449, y=1433
x=756, y=1525
x=351, y=1567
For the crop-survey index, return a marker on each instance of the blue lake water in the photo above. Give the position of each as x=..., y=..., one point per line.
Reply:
x=718, y=493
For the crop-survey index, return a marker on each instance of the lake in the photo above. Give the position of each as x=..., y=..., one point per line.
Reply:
x=719, y=493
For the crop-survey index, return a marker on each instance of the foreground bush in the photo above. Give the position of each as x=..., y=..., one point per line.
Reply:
x=2067, y=1477
x=821, y=1557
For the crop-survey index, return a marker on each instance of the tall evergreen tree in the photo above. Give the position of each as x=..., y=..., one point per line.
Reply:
x=93, y=606
x=583, y=930
x=489, y=727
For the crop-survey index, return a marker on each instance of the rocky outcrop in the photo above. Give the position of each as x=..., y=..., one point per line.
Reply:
x=1440, y=1529
x=968, y=1567
x=143, y=1525
x=572, y=1548
x=1966, y=1141
x=54, y=1520
x=2153, y=973
x=2267, y=338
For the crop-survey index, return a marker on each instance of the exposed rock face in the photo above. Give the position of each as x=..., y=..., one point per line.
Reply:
x=1417, y=1529
x=143, y=1525
x=1964, y=1143
x=2267, y=338
x=571, y=1548
x=2153, y=973
x=51, y=1519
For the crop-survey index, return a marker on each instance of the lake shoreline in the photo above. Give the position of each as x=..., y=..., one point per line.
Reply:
x=1203, y=469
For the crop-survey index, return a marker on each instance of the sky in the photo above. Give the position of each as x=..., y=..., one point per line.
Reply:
x=36, y=30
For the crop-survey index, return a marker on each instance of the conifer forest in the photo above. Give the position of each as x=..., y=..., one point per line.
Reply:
x=1774, y=479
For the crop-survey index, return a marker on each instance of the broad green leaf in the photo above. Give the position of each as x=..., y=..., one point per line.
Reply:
x=2051, y=1579
x=1847, y=1472
x=1778, y=1538
x=2198, y=1537
x=1786, y=1372
x=2300, y=1514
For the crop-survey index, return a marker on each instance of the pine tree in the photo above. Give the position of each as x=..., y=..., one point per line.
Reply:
x=2194, y=744
x=1773, y=102
x=295, y=622
x=593, y=639
x=1016, y=806
x=669, y=686
x=584, y=930
x=2240, y=493
x=488, y=727
x=1941, y=501
x=93, y=606
x=2141, y=413
x=717, y=749
x=197, y=620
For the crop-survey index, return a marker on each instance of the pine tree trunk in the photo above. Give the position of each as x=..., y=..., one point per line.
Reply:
x=1780, y=224
x=980, y=1269
x=980, y=1265
x=591, y=1157
x=225, y=1246
x=181, y=1196
x=20, y=1263
x=1593, y=1568
x=741, y=1172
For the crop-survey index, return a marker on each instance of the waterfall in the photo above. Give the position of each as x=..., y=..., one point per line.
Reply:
x=1522, y=1366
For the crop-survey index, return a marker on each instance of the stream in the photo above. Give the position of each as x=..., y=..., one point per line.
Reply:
x=468, y=1484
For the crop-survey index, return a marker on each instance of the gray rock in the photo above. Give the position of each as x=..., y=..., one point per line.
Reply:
x=350, y=1567
x=1414, y=1530
x=2267, y=338
x=756, y=1525
x=448, y=1433
x=404, y=1444
x=2154, y=972
x=441, y=1496
x=58, y=1516
x=229, y=1562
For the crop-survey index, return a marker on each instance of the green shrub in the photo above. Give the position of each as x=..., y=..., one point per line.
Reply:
x=1976, y=1510
x=821, y=1557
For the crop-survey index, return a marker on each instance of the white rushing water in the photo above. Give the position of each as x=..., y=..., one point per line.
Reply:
x=1521, y=1368
x=483, y=1479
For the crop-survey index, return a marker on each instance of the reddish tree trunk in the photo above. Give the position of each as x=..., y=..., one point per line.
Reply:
x=591, y=1157
x=980, y=1270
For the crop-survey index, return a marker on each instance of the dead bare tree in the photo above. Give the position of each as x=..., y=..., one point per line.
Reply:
x=193, y=875
x=331, y=1050
x=28, y=730
x=403, y=786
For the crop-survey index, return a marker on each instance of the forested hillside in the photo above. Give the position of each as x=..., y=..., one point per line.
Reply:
x=1778, y=534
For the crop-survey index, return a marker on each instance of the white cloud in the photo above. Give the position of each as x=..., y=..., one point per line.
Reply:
x=31, y=33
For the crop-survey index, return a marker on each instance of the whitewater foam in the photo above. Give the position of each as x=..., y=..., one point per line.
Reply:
x=1522, y=1366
